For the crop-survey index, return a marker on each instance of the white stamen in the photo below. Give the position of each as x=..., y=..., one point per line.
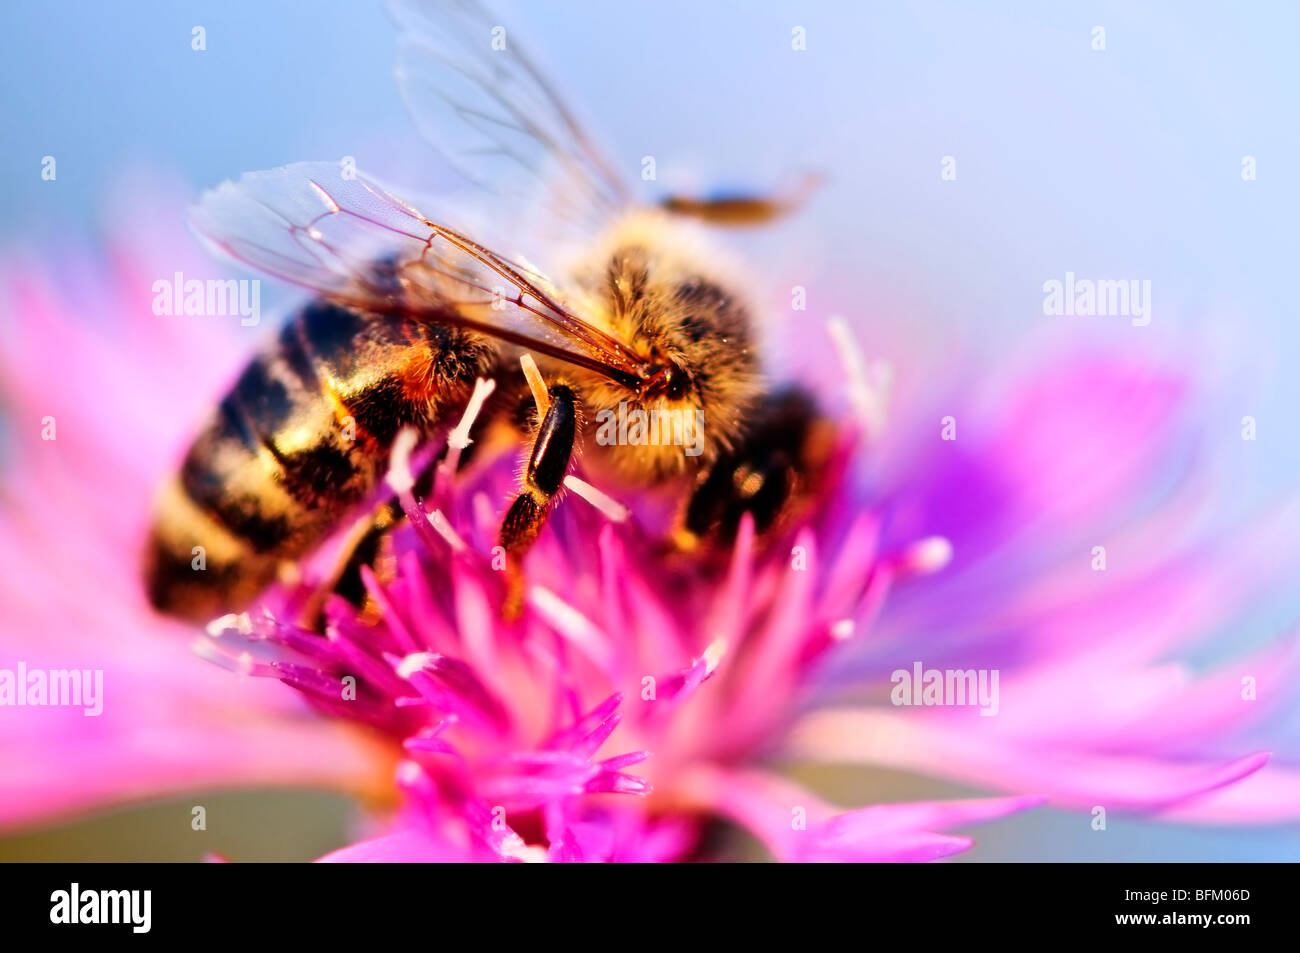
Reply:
x=868, y=386
x=928, y=555
x=842, y=630
x=613, y=510
x=445, y=530
x=408, y=772
x=400, y=477
x=239, y=621
x=536, y=384
x=241, y=664
x=413, y=663
x=713, y=655
x=459, y=439
x=572, y=625
x=514, y=847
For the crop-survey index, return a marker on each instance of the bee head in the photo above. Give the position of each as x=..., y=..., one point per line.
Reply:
x=691, y=329
x=666, y=379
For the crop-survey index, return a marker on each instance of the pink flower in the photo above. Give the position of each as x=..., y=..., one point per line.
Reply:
x=82, y=346
x=636, y=700
x=1099, y=706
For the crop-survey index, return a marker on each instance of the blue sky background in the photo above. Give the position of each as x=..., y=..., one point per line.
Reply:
x=1122, y=163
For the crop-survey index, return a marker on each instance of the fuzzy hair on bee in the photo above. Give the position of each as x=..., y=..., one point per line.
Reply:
x=658, y=285
x=651, y=322
x=297, y=443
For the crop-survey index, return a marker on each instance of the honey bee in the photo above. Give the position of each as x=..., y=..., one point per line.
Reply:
x=410, y=312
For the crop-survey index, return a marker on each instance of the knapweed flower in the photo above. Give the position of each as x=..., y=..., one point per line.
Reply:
x=628, y=704
x=639, y=698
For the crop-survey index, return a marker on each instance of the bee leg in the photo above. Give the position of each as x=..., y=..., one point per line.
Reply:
x=767, y=475
x=743, y=210
x=368, y=542
x=542, y=479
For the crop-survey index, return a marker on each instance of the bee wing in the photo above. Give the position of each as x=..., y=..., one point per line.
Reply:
x=347, y=238
x=477, y=97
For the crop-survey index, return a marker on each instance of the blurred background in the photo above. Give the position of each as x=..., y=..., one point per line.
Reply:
x=1117, y=162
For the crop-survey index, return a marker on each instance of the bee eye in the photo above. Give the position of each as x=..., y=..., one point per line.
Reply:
x=669, y=380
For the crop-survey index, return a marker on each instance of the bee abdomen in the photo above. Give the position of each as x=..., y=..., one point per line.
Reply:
x=261, y=484
x=274, y=459
x=299, y=440
x=194, y=566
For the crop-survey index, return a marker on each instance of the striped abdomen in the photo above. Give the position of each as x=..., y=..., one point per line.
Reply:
x=300, y=439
